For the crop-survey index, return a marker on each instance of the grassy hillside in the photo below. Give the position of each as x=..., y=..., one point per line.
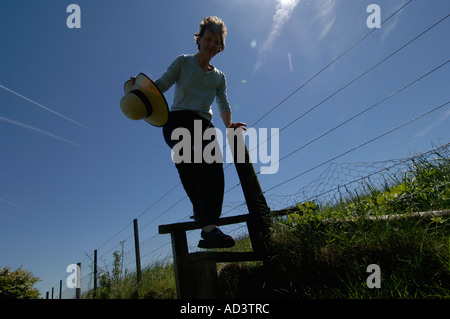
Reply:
x=324, y=251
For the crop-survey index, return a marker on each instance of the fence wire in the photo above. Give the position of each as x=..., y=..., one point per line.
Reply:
x=329, y=187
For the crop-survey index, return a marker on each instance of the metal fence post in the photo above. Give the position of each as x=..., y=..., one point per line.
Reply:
x=138, y=255
x=78, y=285
x=95, y=273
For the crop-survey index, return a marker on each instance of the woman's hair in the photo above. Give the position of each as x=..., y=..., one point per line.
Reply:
x=215, y=25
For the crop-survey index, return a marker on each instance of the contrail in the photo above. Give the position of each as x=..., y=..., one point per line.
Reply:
x=282, y=14
x=433, y=125
x=20, y=222
x=42, y=106
x=36, y=130
x=22, y=208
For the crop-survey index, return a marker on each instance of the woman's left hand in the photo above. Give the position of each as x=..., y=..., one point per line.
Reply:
x=238, y=125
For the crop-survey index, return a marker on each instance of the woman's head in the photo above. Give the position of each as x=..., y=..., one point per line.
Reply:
x=215, y=26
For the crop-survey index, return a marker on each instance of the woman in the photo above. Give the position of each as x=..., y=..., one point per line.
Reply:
x=198, y=83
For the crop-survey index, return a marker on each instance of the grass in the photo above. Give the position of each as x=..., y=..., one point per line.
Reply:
x=316, y=260
x=323, y=251
x=158, y=282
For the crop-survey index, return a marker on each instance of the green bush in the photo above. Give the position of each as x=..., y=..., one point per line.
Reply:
x=17, y=284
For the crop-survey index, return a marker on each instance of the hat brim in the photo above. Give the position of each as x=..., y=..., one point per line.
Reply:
x=160, y=108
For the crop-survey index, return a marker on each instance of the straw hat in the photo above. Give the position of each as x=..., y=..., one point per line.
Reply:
x=144, y=101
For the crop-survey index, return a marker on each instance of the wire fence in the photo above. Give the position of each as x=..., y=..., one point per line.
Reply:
x=331, y=185
x=336, y=180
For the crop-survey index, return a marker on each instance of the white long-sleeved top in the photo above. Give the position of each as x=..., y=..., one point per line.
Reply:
x=195, y=89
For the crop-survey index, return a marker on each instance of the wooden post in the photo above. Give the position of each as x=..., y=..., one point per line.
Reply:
x=138, y=255
x=78, y=286
x=259, y=223
x=95, y=273
x=199, y=278
x=46, y=295
x=180, y=248
x=53, y=292
x=60, y=289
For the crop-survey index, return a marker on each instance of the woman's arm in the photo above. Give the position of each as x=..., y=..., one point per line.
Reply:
x=169, y=77
x=226, y=118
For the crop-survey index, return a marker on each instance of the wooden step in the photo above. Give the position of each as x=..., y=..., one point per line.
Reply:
x=218, y=256
x=166, y=229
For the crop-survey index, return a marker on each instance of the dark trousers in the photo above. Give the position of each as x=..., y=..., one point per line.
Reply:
x=203, y=182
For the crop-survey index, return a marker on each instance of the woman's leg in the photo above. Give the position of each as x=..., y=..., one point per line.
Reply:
x=203, y=182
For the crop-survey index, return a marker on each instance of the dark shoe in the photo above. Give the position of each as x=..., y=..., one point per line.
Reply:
x=215, y=239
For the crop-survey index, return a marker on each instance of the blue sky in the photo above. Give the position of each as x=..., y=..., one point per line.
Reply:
x=74, y=170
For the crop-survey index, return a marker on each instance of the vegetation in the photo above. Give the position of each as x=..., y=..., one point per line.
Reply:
x=17, y=284
x=323, y=250
x=158, y=282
